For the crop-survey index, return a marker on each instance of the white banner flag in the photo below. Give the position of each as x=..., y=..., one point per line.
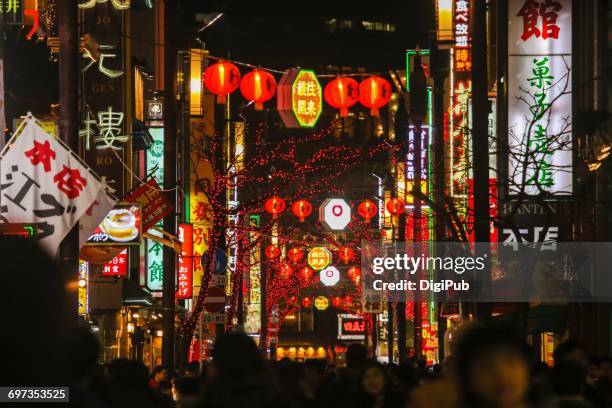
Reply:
x=43, y=183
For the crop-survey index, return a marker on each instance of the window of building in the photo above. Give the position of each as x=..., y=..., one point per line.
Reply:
x=378, y=26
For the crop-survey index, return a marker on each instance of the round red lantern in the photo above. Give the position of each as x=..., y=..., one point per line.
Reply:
x=301, y=209
x=306, y=273
x=374, y=93
x=342, y=93
x=272, y=251
x=286, y=271
x=222, y=79
x=354, y=273
x=295, y=254
x=306, y=302
x=258, y=86
x=346, y=254
x=395, y=206
x=348, y=301
x=336, y=301
x=274, y=205
x=367, y=210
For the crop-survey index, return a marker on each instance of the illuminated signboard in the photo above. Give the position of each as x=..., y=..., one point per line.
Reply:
x=155, y=250
x=351, y=327
x=11, y=12
x=444, y=20
x=319, y=258
x=83, y=282
x=18, y=230
x=117, y=266
x=540, y=96
x=335, y=214
x=184, y=285
x=122, y=225
x=299, y=98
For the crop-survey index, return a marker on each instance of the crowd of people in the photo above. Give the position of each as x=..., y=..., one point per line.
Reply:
x=489, y=366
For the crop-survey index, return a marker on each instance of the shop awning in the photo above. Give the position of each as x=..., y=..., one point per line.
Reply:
x=134, y=295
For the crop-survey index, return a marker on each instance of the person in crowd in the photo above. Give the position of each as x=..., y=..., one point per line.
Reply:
x=340, y=387
x=159, y=377
x=603, y=385
x=375, y=389
x=571, y=351
x=492, y=368
x=594, y=371
x=193, y=369
x=240, y=377
x=185, y=391
x=568, y=382
x=128, y=386
x=313, y=374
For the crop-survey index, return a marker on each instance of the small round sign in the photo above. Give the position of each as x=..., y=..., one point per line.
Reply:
x=329, y=276
x=215, y=299
x=335, y=214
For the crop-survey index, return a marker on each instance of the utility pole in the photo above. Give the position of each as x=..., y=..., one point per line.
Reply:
x=480, y=137
x=69, y=112
x=170, y=165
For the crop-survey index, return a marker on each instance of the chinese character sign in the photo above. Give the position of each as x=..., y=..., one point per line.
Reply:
x=11, y=12
x=155, y=251
x=117, y=266
x=540, y=97
x=463, y=54
x=184, y=285
x=153, y=203
x=45, y=184
x=299, y=98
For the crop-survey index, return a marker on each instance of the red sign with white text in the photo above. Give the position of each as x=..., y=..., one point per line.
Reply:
x=117, y=266
x=153, y=203
x=184, y=288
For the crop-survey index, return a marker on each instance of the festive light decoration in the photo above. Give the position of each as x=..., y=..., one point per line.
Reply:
x=286, y=271
x=367, y=209
x=342, y=93
x=301, y=209
x=319, y=258
x=306, y=273
x=295, y=255
x=354, y=274
x=222, y=79
x=306, y=302
x=258, y=86
x=275, y=206
x=336, y=301
x=346, y=254
x=374, y=93
x=396, y=206
x=272, y=251
x=321, y=303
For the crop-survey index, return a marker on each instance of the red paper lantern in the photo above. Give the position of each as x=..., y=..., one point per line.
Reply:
x=367, y=210
x=272, y=251
x=258, y=86
x=306, y=273
x=222, y=79
x=395, y=206
x=286, y=271
x=301, y=209
x=354, y=273
x=306, y=302
x=342, y=93
x=346, y=254
x=348, y=301
x=336, y=301
x=374, y=93
x=295, y=255
x=274, y=205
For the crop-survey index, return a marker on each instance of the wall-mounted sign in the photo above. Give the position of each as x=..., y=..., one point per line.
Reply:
x=540, y=96
x=319, y=258
x=299, y=98
x=335, y=214
x=351, y=327
x=83, y=283
x=153, y=203
x=155, y=251
x=329, y=276
x=184, y=280
x=121, y=225
x=11, y=12
x=117, y=266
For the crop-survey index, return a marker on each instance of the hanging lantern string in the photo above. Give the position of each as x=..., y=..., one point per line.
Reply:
x=280, y=72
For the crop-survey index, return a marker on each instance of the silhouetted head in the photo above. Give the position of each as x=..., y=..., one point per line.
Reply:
x=572, y=351
x=356, y=356
x=235, y=356
x=83, y=351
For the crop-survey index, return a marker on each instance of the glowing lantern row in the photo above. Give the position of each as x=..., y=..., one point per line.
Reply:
x=342, y=93
x=346, y=254
x=396, y=207
x=374, y=93
x=306, y=273
x=367, y=210
x=274, y=205
x=272, y=251
x=354, y=274
x=258, y=86
x=321, y=303
x=286, y=271
x=306, y=302
x=301, y=209
x=295, y=255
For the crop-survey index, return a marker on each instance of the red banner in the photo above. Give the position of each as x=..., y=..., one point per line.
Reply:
x=184, y=288
x=153, y=203
x=117, y=266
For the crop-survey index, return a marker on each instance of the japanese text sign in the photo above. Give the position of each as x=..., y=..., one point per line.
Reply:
x=184, y=286
x=319, y=258
x=11, y=12
x=118, y=266
x=299, y=98
x=351, y=327
x=121, y=225
x=153, y=203
x=45, y=184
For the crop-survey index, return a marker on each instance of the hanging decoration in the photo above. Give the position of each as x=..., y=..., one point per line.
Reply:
x=272, y=251
x=367, y=209
x=286, y=271
x=354, y=274
x=295, y=255
x=396, y=207
x=346, y=254
x=301, y=209
x=258, y=86
x=306, y=273
x=336, y=302
x=374, y=93
x=300, y=99
x=321, y=303
x=342, y=93
x=274, y=205
x=222, y=79
x=306, y=302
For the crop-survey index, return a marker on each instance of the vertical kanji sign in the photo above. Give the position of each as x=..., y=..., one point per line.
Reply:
x=540, y=96
x=184, y=285
x=45, y=184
